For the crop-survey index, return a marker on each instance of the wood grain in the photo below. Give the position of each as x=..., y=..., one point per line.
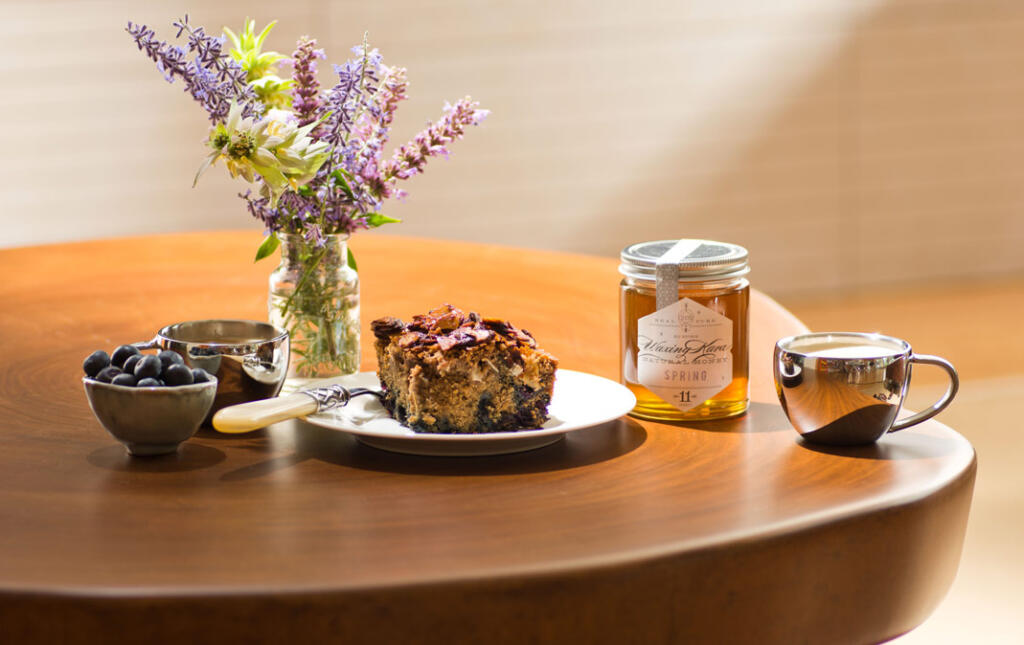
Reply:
x=729, y=531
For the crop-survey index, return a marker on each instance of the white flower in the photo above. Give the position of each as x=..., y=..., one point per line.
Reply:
x=274, y=148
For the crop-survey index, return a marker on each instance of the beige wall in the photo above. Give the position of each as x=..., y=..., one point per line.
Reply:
x=845, y=142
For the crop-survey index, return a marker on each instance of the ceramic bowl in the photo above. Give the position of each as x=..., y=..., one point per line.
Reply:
x=150, y=420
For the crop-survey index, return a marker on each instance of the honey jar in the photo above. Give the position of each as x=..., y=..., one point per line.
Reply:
x=684, y=312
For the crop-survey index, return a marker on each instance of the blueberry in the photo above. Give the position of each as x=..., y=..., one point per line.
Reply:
x=168, y=358
x=122, y=353
x=148, y=367
x=200, y=375
x=125, y=379
x=129, y=365
x=178, y=375
x=107, y=374
x=95, y=362
x=150, y=382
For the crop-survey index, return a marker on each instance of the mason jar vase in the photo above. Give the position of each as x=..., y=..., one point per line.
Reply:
x=314, y=295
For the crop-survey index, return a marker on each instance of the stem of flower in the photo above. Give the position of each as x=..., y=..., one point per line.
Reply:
x=302, y=281
x=332, y=348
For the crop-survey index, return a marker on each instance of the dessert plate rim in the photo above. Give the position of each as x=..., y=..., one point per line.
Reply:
x=580, y=400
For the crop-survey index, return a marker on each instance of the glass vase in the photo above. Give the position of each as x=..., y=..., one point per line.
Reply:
x=314, y=295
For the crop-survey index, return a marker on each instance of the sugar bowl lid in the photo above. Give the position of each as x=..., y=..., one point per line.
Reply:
x=696, y=260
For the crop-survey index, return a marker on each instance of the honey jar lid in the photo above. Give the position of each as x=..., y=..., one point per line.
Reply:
x=694, y=260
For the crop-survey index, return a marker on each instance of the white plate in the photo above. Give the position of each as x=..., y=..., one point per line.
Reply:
x=579, y=401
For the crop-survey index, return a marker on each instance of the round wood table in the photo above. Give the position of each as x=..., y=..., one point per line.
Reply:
x=628, y=532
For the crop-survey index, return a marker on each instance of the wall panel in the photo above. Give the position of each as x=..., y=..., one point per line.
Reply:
x=847, y=143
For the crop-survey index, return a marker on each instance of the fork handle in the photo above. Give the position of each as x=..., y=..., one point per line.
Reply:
x=252, y=416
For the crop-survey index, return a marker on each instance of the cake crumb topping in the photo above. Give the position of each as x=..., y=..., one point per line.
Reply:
x=448, y=328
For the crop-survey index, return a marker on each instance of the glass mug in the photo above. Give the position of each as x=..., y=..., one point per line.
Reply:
x=844, y=388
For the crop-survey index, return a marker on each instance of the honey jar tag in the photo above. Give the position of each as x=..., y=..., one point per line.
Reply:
x=684, y=353
x=666, y=272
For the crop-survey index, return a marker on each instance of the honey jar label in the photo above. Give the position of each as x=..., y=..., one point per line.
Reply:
x=684, y=353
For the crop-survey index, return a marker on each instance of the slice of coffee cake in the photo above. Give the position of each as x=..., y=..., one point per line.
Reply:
x=451, y=372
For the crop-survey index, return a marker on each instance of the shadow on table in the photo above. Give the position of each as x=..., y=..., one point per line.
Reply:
x=760, y=417
x=905, y=445
x=769, y=417
x=579, y=448
x=190, y=456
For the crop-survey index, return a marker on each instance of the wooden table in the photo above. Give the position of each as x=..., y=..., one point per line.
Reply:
x=630, y=532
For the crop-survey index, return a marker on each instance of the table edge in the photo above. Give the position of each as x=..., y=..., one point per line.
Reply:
x=694, y=547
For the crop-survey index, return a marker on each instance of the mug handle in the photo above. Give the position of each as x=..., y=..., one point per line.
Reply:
x=940, y=405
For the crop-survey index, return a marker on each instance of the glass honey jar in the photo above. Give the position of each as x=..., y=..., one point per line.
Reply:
x=684, y=314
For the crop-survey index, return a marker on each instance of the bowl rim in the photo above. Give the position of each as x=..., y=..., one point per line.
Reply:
x=192, y=387
x=280, y=334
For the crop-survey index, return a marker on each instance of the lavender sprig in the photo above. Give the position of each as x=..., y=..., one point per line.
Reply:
x=375, y=130
x=211, y=77
x=410, y=159
x=306, y=88
x=392, y=91
x=349, y=97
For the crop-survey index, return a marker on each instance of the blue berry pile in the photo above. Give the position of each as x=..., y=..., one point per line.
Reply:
x=130, y=367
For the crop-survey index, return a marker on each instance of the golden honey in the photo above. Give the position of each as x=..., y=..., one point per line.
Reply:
x=688, y=359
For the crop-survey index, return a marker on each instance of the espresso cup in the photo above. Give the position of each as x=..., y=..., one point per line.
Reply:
x=844, y=388
x=248, y=357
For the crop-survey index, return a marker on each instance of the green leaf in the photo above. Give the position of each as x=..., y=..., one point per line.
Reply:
x=339, y=180
x=269, y=245
x=206, y=164
x=352, y=261
x=379, y=219
x=304, y=190
x=234, y=41
x=263, y=34
x=306, y=129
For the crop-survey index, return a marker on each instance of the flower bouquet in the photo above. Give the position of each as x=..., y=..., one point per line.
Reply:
x=316, y=161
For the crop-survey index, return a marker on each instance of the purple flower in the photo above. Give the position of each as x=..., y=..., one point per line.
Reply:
x=306, y=88
x=410, y=159
x=392, y=91
x=350, y=97
x=314, y=235
x=212, y=78
x=327, y=210
x=374, y=128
